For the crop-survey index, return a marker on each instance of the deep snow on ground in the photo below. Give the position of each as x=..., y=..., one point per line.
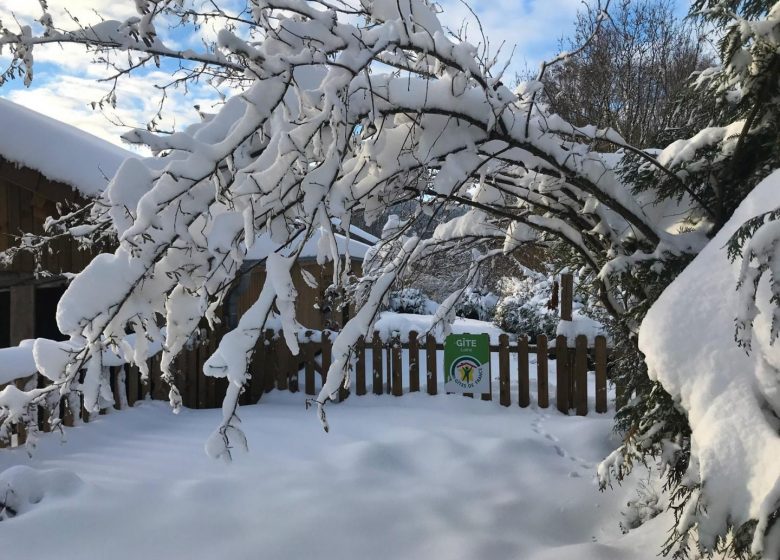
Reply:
x=415, y=477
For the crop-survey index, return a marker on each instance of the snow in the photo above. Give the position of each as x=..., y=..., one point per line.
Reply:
x=264, y=245
x=390, y=322
x=23, y=488
x=416, y=477
x=17, y=362
x=68, y=155
x=580, y=325
x=688, y=340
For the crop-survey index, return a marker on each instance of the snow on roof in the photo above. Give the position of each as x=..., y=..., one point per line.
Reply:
x=59, y=151
x=359, y=234
x=263, y=246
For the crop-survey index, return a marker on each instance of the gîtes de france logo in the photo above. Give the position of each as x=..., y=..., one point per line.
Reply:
x=467, y=373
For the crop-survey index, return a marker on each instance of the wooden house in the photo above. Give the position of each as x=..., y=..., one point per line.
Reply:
x=44, y=162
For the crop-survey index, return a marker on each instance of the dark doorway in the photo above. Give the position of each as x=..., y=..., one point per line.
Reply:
x=5, y=319
x=46, y=300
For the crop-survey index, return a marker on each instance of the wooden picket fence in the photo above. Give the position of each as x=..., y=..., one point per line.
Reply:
x=274, y=367
x=385, y=372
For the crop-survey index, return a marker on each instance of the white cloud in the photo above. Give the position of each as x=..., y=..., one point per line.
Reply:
x=67, y=98
x=85, y=10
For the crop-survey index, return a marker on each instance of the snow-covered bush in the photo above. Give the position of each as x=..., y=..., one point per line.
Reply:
x=477, y=304
x=523, y=310
x=410, y=300
x=22, y=487
x=643, y=508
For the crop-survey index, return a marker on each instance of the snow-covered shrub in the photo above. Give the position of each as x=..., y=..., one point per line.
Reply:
x=641, y=509
x=477, y=304
x=22, y=487
x=523, y=310
x=410, y=300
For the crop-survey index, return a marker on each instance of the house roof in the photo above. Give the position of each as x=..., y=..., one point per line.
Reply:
x=64, y=153
x=263, y=246
x=59, y=151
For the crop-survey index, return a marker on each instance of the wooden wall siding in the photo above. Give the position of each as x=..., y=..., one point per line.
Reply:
x=27, y=198
x=308, y=315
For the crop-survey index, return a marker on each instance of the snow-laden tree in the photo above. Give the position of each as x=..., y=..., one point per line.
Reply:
x=729, y=144
x=344, y=107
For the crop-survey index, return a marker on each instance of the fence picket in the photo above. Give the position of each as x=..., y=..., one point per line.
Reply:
x=192, y=375
x=430, y=360
x=256, y=368
x=284, y=359
x=308, y=375
x=581, y=375
x=397, y=373
x=376, y=359
x=542, y=390
x=388, y=372
x=503, y=371
x=563, y=384
x=414, y=362
x=601, y=374
x=523, y=382
x=133, y=381
x=74, y=409
x=117, y=388
x=269, y=373
x=159, y=387
x=360, y=368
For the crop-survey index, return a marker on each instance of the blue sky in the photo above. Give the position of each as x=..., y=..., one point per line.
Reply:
x=66, y=81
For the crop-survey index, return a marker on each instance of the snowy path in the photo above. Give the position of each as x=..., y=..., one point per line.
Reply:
x=416, y=477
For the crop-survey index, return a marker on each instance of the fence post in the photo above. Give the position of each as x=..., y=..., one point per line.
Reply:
x=567, y=296
x=601, y=374
x=541, y=371
x=567, y=304
x=360, y=367
x=581, y=375
x=503, y=371
x=397, y=376
x=376, y=358
x=563, y=384
x=523, y=383
x=133, y=386
x=414, y=362
x=430, y=361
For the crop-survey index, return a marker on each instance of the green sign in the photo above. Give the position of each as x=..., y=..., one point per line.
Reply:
x=467, y=363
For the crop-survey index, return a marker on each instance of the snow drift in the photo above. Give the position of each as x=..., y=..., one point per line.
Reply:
x=731, y=396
